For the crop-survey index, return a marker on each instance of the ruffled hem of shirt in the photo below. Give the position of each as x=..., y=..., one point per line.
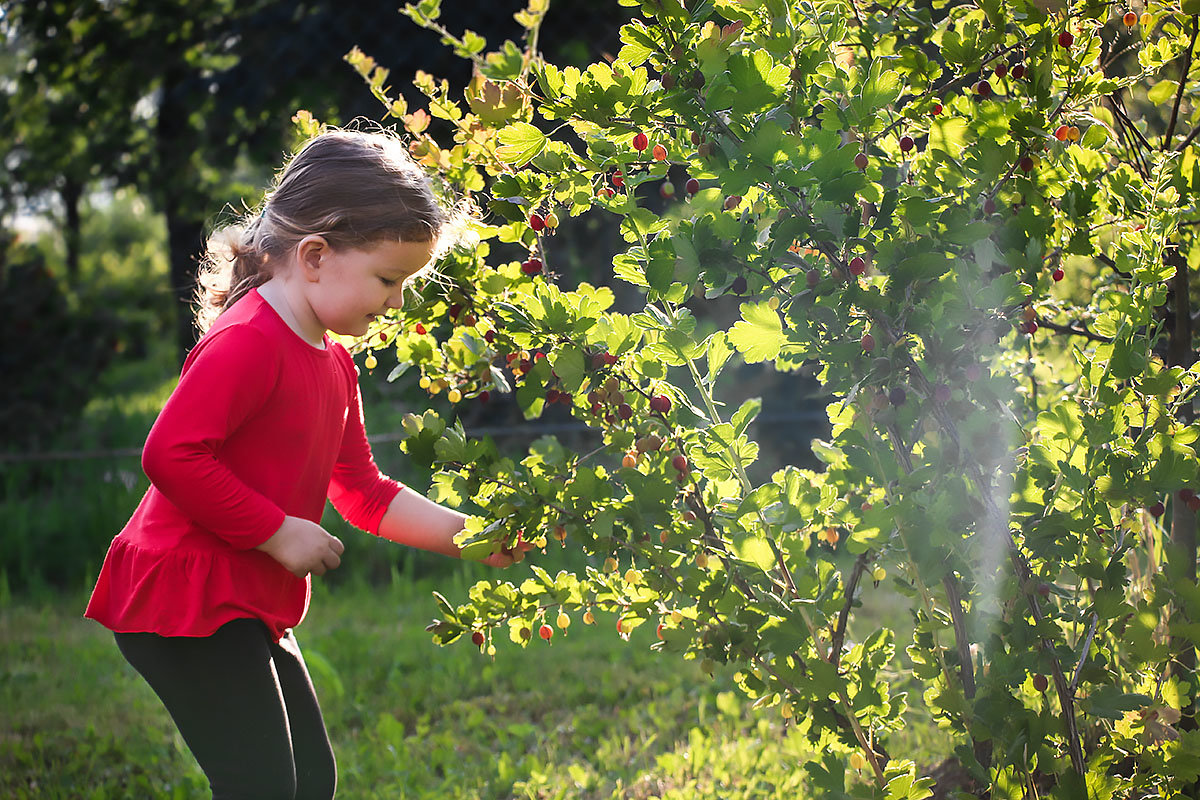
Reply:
x=182, y=592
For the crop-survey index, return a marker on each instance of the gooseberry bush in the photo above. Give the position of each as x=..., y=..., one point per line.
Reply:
x=975, y=222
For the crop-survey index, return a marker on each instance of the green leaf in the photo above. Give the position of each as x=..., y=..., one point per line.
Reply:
x=1161, y=91
x=756, y=550
x=759, y=335
x=520, y=142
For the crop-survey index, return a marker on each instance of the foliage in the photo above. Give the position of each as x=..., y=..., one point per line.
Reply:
x=37, y=321
x=897, y=197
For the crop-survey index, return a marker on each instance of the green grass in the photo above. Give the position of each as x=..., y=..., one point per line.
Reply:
x=588, y=716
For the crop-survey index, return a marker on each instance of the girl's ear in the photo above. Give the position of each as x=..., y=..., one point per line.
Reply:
x=309, y=253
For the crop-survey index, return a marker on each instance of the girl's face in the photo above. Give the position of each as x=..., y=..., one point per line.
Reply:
x=348, y=288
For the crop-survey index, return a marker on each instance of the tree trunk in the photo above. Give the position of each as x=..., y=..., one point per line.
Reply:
x=176, y=185
x=1182, y=558
x=71, y=194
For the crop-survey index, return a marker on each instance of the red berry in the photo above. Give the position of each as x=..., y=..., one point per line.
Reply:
x=640, y=142
x=660, y=153
x=897, y=396
x=485, y=396
x=660, y=403
x=732, y=201
x=625, y=410
x=1001, y=70
x=1061, y=132
x=696, y=137
x=618, y=179
x=1193, y=504
x=739, y=285
x=906, y=143
x=861, y=161
x=552, y=395
x=1018, y=71
x=692, y=186
x=546, y=632
x=604, y=191
x=868, y=342
x=812, y=277
x=1157, y=509
x=680, y=463
x=941, y=393
x=1066, y=39
x=857, y=266
x=478, y=638
x=1057, y=275
x=532, y=266
x=537, y=221
x=420, y=329
x=1130, y=19
x=1040, y=683
x=489, y=336
x=1026, y=164
x=610, y=359
x=989, y=206
x=983, y=89
x=666, y=190
x=937, y=109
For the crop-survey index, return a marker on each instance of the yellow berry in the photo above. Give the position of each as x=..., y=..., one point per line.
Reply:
x=564, y=620
x=676, y=617
x=551, y=220
x=857, y=761
x=786, y=711
x=879, y=573
x=702, y=560
x=588, y=618
x=773, y=303
x=437, y=386
x=631, y=576
x=454, y=395
x=370, y=362
x=1147, y=19
x=426, y=382
x=610, y=564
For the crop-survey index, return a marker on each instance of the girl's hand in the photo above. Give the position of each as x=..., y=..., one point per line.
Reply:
x=304, y=547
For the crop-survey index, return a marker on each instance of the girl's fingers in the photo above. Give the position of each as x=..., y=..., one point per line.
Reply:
x=337, y=546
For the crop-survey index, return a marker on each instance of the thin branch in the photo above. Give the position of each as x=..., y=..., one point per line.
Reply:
x=1071, y=330
x=1187, y=66
x=839, y=634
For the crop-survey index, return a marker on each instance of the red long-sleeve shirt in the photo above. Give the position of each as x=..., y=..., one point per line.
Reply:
x=261, y=425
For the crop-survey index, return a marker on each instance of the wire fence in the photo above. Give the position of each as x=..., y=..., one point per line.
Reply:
x=809, y=418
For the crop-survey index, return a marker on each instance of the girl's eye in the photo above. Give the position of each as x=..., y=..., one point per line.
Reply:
x=389, y=282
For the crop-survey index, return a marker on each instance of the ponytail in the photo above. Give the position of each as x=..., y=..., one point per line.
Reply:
x=234, y=264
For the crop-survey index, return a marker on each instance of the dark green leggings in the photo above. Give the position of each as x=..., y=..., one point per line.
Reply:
x=245, y=706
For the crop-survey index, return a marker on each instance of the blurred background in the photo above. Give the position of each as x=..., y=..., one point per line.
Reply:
x=131, y=129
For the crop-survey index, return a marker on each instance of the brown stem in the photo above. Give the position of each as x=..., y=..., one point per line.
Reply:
x=1187, y=66
x=839, y=634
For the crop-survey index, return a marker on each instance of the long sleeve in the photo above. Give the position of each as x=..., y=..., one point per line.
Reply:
x=357, y=489
x=226, y=379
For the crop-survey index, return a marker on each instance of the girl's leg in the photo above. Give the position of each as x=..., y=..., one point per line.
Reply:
x=223, y=693
x=316, y=771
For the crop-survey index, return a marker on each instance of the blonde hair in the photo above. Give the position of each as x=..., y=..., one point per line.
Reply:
x=355, y=188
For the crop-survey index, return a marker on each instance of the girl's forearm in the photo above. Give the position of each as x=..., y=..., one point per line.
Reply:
x=414, y=520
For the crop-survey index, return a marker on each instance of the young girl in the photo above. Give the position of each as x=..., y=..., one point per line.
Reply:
x=203, y=586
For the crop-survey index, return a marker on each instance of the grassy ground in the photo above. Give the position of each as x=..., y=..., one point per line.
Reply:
x=588, y=716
